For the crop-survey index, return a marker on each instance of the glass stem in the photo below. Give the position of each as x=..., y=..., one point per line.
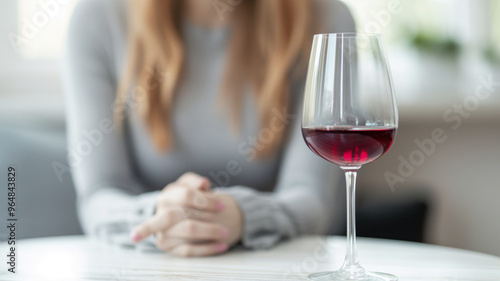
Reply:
x=351, y=262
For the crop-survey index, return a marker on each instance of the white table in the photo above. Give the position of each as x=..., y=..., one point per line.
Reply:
x=80, y=258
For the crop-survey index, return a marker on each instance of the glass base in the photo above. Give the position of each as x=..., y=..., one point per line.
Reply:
x=343, y=275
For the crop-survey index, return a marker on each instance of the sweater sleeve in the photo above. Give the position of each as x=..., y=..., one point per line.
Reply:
x=306, y=199
x=110, y=200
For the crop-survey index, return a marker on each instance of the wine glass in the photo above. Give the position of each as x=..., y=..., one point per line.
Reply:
x=349, y=118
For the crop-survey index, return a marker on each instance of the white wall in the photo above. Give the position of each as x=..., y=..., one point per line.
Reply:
x=463, y=175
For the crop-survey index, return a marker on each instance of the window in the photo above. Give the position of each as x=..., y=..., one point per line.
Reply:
x=437, y=48
x=42, y=27
x=31, y=49
x=33, y=34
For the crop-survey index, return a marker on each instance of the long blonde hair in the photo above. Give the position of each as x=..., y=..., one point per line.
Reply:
x=269, y=38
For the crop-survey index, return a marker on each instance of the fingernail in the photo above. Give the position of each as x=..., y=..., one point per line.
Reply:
x=224, y=233
x=221, y=247
x=135, y=237
x=220, y=206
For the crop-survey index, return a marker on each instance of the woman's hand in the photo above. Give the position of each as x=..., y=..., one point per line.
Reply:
x=190, y=220
x=231, y=218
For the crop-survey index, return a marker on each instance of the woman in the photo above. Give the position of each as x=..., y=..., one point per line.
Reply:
x=183, y=122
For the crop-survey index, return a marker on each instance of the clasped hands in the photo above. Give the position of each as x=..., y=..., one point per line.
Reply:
x=191, y=220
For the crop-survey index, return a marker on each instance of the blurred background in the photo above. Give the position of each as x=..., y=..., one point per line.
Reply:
x=439, y=182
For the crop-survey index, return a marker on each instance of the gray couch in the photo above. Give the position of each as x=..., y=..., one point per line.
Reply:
x=45, y=204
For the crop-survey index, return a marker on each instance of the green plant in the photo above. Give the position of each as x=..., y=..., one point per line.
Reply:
x=438, y=45
x=491, y=55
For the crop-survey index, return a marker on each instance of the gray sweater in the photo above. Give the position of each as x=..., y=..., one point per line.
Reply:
x=118, y=173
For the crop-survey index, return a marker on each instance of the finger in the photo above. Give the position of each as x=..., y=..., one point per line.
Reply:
x=197, y=230
x=149, y=227
x=194, y=181
x=199, y=250
x=166, y=244
x=190, y=198
x=166, y=218
x=178, y=213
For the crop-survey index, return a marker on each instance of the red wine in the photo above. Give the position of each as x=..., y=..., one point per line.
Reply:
x=349, y=146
